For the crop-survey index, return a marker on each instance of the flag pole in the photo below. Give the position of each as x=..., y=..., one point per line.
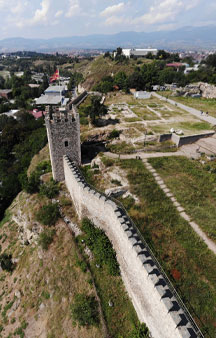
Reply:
x=59, y=85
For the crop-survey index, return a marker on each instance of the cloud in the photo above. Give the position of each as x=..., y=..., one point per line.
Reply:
x=41, y=14
x=113, y=9
x=3, y=4
x=74, y=8
x=58, y=14
x=165, y=10
x=114, y=20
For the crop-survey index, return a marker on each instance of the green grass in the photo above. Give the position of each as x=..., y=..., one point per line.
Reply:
x=188, y=127
x=175, y=244
x=121, y=317
x=195, y=126
x=145, y=114
x=132, y=119
x=194, y=188
x=206, y=105
x=121, y=148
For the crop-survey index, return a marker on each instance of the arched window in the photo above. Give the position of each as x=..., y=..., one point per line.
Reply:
x=66, y=144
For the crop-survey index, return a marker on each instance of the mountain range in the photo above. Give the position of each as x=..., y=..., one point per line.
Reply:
x=182, y=38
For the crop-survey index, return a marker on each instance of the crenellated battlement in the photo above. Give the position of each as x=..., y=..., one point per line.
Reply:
x=63, y=131
x=61, y=115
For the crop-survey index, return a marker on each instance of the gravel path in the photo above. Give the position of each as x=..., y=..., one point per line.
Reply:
x=190, y=110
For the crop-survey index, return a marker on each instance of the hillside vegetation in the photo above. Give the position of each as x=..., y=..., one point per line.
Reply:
x=101, y=67
x=51, y=285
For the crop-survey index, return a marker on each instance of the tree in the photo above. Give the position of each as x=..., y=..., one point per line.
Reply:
x=121, y=80
x=162, y=55
x=85, y=310
x=211, y=60
x=96, y=109
x=118, y=51
x=107, y=55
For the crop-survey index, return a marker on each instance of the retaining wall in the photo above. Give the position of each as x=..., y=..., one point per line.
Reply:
x=182, y=140
x=153, y=297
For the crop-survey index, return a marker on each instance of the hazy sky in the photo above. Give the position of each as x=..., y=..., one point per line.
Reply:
x=53, y=18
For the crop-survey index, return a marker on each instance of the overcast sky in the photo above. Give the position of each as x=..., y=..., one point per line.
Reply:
x=53, y=18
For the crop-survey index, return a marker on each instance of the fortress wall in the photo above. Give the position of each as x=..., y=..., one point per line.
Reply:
x=152, y=297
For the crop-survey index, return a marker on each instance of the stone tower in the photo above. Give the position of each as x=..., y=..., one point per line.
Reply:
x=63, y=131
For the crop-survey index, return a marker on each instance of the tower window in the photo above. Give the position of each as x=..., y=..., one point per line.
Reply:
x=66, y=143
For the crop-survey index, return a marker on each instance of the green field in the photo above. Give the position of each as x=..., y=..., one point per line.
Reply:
x=184, y=256
x=194, y=186
x=206, y=105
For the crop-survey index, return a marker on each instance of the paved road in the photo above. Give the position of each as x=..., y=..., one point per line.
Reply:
x=190, y=110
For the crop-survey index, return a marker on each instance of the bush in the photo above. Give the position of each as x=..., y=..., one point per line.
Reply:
x=101, y=247
x=49, y=189
x=48, y=214
x=85, y=310
x=114, y=133
x=46, y=238
x=140, y=332
x=31, y=184
x=6, y=262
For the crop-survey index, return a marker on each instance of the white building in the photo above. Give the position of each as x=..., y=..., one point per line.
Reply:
x=128, y=52
x=53, y=95
x=142, y=95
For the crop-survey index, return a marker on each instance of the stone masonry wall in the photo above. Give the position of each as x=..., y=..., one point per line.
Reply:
x=61, y=130
x=182, y=140
x=154, y=299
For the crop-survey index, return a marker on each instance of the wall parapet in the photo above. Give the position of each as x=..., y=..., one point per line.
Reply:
x=174, y=318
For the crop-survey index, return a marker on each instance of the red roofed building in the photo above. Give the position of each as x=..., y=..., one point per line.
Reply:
x=176, y=65
x=36, y=113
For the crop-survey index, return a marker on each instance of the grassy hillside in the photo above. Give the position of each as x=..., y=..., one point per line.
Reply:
x=101, y=67
x=36, y=297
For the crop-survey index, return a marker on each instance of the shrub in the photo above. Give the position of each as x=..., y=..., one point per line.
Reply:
x=6, y=262
x=85, y=310
x=50, y=189
x=48, y=214
x=46, y=238
x=141, y=331
x=114, y=133
x=31, y=184
x=101, y=247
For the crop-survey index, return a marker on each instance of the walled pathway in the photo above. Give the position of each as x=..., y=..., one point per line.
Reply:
x=190, y=110
x=211, y=245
